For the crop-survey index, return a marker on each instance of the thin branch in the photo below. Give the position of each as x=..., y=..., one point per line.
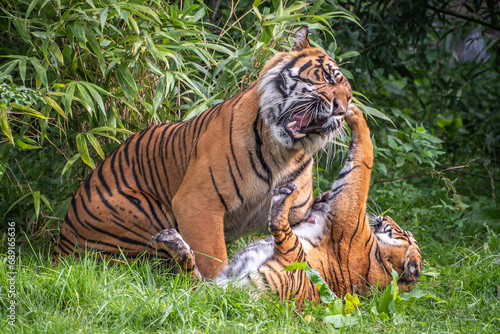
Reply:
x=453, y=169
x=403, y=177
x=464, y=17
x=476, y=175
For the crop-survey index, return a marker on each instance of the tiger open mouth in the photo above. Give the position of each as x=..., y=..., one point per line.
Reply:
x=305, y=122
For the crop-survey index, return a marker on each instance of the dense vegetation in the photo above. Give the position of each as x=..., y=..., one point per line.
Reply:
x=77, y=77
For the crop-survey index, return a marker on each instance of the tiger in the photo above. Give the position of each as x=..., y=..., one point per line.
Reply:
x=210, y=178
x=335, y=238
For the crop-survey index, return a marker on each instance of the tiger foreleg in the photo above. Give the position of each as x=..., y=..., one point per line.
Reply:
x=171, y=241
x=287, y=246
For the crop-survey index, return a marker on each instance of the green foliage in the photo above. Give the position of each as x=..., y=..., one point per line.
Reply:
x=335, y=313
x=97, y=71
x=387, y=306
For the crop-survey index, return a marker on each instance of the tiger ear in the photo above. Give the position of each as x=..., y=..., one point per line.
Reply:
x=301, y=40
x=412, y=265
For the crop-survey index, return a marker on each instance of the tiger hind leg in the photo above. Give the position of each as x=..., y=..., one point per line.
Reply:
x=171, y=241
x=287, y=246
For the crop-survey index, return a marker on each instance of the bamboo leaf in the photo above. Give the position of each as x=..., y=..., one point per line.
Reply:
x=28, y=111
x=96, y=48
x=4, y=123
x=81, y=144
x=15, y=203
x=23, y=30
x=79, y=33
x=134, y=25
x=85, y=97
x=159, y=93
x=22, y=70
x=109, y=128
x=95, y=144
x=41, y=72
x=68, y=98
x=36, y=202
x=18, y=141
x=126, y=82
x=54, y=105
x=104, y=17
x=56, y=52
x=95, y=95
x=70, y=163
x=46, y=201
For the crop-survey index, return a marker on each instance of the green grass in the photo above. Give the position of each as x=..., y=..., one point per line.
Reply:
x=461, y=266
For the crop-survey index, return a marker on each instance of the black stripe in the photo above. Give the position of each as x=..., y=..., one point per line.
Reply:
x=104, y=201
x=258, y=149
x=299, y=205
x=185, y=155
x=138, y=156
x=231, y=145
x=340, y=260
x=130, y=230
x=163, y=156
x=175, y=131
x=203, y=119
x=125, y=148
x=234, y=181
x=102, y=180
x=305, y=67
x=254, y=167
x=217, y=190
x=369, y=256
x=350, y=246
x=158, y=153
x=294, y=247
x=87, y=186
x=87, y=210
x=345, y=173
x=297, y=172
x=151, y=152
x=137, y=203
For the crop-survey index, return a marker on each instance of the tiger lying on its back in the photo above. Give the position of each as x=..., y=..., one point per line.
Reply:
x=210, y=178
x=336, y=238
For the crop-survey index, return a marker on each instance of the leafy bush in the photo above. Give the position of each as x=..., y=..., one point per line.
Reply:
x=101, y=70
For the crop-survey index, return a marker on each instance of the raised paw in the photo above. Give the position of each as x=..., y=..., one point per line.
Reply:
x=354, y=116
x=171, y=241
x=322, y=201
x=285, y=193
x=283, y=197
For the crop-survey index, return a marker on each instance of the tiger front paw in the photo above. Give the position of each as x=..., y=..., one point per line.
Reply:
x=354, y=116
x=283, y=197
x=171, y=241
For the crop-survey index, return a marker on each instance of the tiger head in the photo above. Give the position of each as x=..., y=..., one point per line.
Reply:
x=303, y=96
x=399, y=249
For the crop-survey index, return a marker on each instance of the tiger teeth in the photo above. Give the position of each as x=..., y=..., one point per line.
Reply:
x=299, y=135
x=289, y=125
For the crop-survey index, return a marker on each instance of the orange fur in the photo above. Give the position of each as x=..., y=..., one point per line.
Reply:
x=210, y=178
x=336, y=238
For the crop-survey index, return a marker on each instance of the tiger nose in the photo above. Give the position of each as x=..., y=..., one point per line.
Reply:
x=337, y=108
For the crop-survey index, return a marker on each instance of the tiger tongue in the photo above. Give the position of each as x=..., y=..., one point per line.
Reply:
x=305, y=122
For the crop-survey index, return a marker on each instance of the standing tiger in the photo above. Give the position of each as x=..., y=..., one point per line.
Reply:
x=211, y=178
x=335, y=238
